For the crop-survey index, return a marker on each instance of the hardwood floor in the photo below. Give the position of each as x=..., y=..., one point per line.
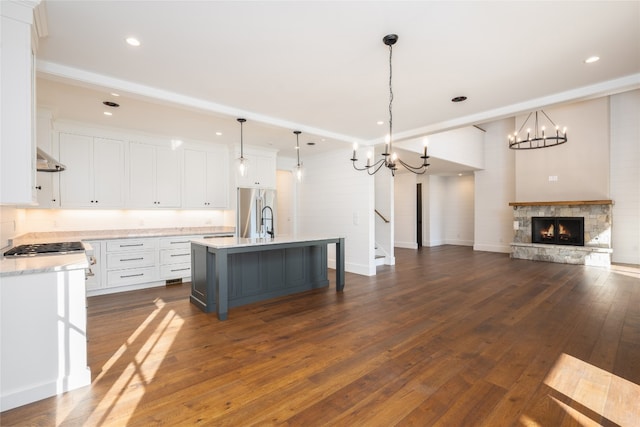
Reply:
x=448, y=336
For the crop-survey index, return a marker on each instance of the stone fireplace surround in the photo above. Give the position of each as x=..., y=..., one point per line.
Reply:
x=597, y=232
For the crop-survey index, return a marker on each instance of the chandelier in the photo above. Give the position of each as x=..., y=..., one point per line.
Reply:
x=389, y=158
x=539, y=137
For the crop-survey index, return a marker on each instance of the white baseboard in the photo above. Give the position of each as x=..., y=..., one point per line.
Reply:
x=492, y=248
x=406, y=245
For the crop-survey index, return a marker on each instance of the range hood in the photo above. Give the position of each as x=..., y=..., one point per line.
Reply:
x=46, y=163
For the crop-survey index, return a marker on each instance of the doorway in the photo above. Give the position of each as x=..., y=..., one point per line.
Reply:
x=419, y=215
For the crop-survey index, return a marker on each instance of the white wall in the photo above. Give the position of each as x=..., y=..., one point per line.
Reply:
x=434, y=209
x=494, y=189
x=625, y=176
x=336, y=200
x=458, y=200
x=581, y=164
x=405, y=210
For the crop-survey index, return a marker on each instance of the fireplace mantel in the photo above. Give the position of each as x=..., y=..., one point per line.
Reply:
x=564, y=203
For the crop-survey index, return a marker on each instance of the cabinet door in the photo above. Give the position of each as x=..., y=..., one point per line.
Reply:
x=108, y=173
x=141, y=176
x=48, y=191
x=195, y=179
x=261, y=172
x=218, y=179
x=168, y=174
x=76, y=182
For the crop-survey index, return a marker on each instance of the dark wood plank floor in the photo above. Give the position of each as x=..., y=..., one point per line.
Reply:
x=447, y=337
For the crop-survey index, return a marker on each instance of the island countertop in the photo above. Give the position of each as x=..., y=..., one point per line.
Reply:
x=243, y=242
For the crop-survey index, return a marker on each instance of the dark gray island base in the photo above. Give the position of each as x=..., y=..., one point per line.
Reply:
x=230, y=272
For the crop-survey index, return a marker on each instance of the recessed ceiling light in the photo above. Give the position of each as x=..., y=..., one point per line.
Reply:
x=111, y=104
x=108, y=113
x=380, y=122
x=132, y=41
x=219, y=133
x=459, y=99
x=592, y=59
x=459, y=174
x=114, y=94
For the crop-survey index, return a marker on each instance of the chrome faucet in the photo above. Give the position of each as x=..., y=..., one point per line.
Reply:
x=272, y=231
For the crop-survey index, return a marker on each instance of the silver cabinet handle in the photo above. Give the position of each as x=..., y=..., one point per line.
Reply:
x=132, y=259
x=176, y=242
x=132, y=275
x=181, y=269
x=132, y=244
x=180, y=255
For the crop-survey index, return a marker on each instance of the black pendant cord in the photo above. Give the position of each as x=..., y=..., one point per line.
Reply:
x=390, y=100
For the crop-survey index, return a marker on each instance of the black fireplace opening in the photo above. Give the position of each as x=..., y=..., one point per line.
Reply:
x=557, y=230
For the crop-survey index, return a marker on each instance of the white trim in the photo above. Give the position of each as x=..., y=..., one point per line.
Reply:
x=493, y=248
x=52, y=70
x=406, y=245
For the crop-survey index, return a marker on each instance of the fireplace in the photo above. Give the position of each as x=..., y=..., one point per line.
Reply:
x=557, y=230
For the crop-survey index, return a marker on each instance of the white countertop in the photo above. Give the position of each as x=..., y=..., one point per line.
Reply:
x=239, y=242
x=14, y=266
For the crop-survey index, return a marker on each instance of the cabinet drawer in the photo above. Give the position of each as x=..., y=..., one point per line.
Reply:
x=131, y=260
x=131, y=245
x=175, y=271
x=175, y=256
x=177, y=242
x=131, y=276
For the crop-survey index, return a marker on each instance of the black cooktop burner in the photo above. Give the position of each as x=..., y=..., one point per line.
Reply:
x=45, y=249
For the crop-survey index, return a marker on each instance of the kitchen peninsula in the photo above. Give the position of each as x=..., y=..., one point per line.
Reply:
x=230, y=272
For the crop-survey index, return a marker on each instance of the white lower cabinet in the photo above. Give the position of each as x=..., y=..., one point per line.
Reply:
x=137, y=263
x=175, y=257
x=131, y=262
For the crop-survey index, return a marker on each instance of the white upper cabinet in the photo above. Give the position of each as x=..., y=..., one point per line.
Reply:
x=261, y=172
x=206, y=178
x=95, y=172
x=17, y=142
x=154, y=176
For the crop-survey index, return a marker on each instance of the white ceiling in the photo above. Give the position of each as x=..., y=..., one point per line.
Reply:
x=321, y=66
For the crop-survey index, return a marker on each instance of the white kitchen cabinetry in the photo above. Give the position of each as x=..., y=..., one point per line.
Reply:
x=175, y=257
x=17, y=142
x=206, y=182
x=154, y=176
x=131, y=262
x=43, y=319
x=261, y=172
x=95, y=172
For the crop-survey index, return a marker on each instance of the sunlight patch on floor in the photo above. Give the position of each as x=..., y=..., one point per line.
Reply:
x=595, y=391
x=141, y=361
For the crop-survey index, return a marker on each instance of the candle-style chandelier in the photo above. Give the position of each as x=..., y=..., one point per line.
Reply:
x=389, y=158
x=539, y=136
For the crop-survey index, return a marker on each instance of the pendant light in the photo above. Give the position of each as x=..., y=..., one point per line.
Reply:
x=299, y=165
x=389, y=158
x=243, y=163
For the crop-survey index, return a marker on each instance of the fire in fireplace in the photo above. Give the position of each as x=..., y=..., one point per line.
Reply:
x=557, y=230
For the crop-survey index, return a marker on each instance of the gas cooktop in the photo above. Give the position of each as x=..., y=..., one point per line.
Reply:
x=45, y=249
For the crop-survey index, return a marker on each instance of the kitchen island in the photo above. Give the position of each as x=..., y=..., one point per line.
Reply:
x=233, y=271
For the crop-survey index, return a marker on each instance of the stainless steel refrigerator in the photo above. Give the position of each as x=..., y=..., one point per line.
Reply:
x=256, y=212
